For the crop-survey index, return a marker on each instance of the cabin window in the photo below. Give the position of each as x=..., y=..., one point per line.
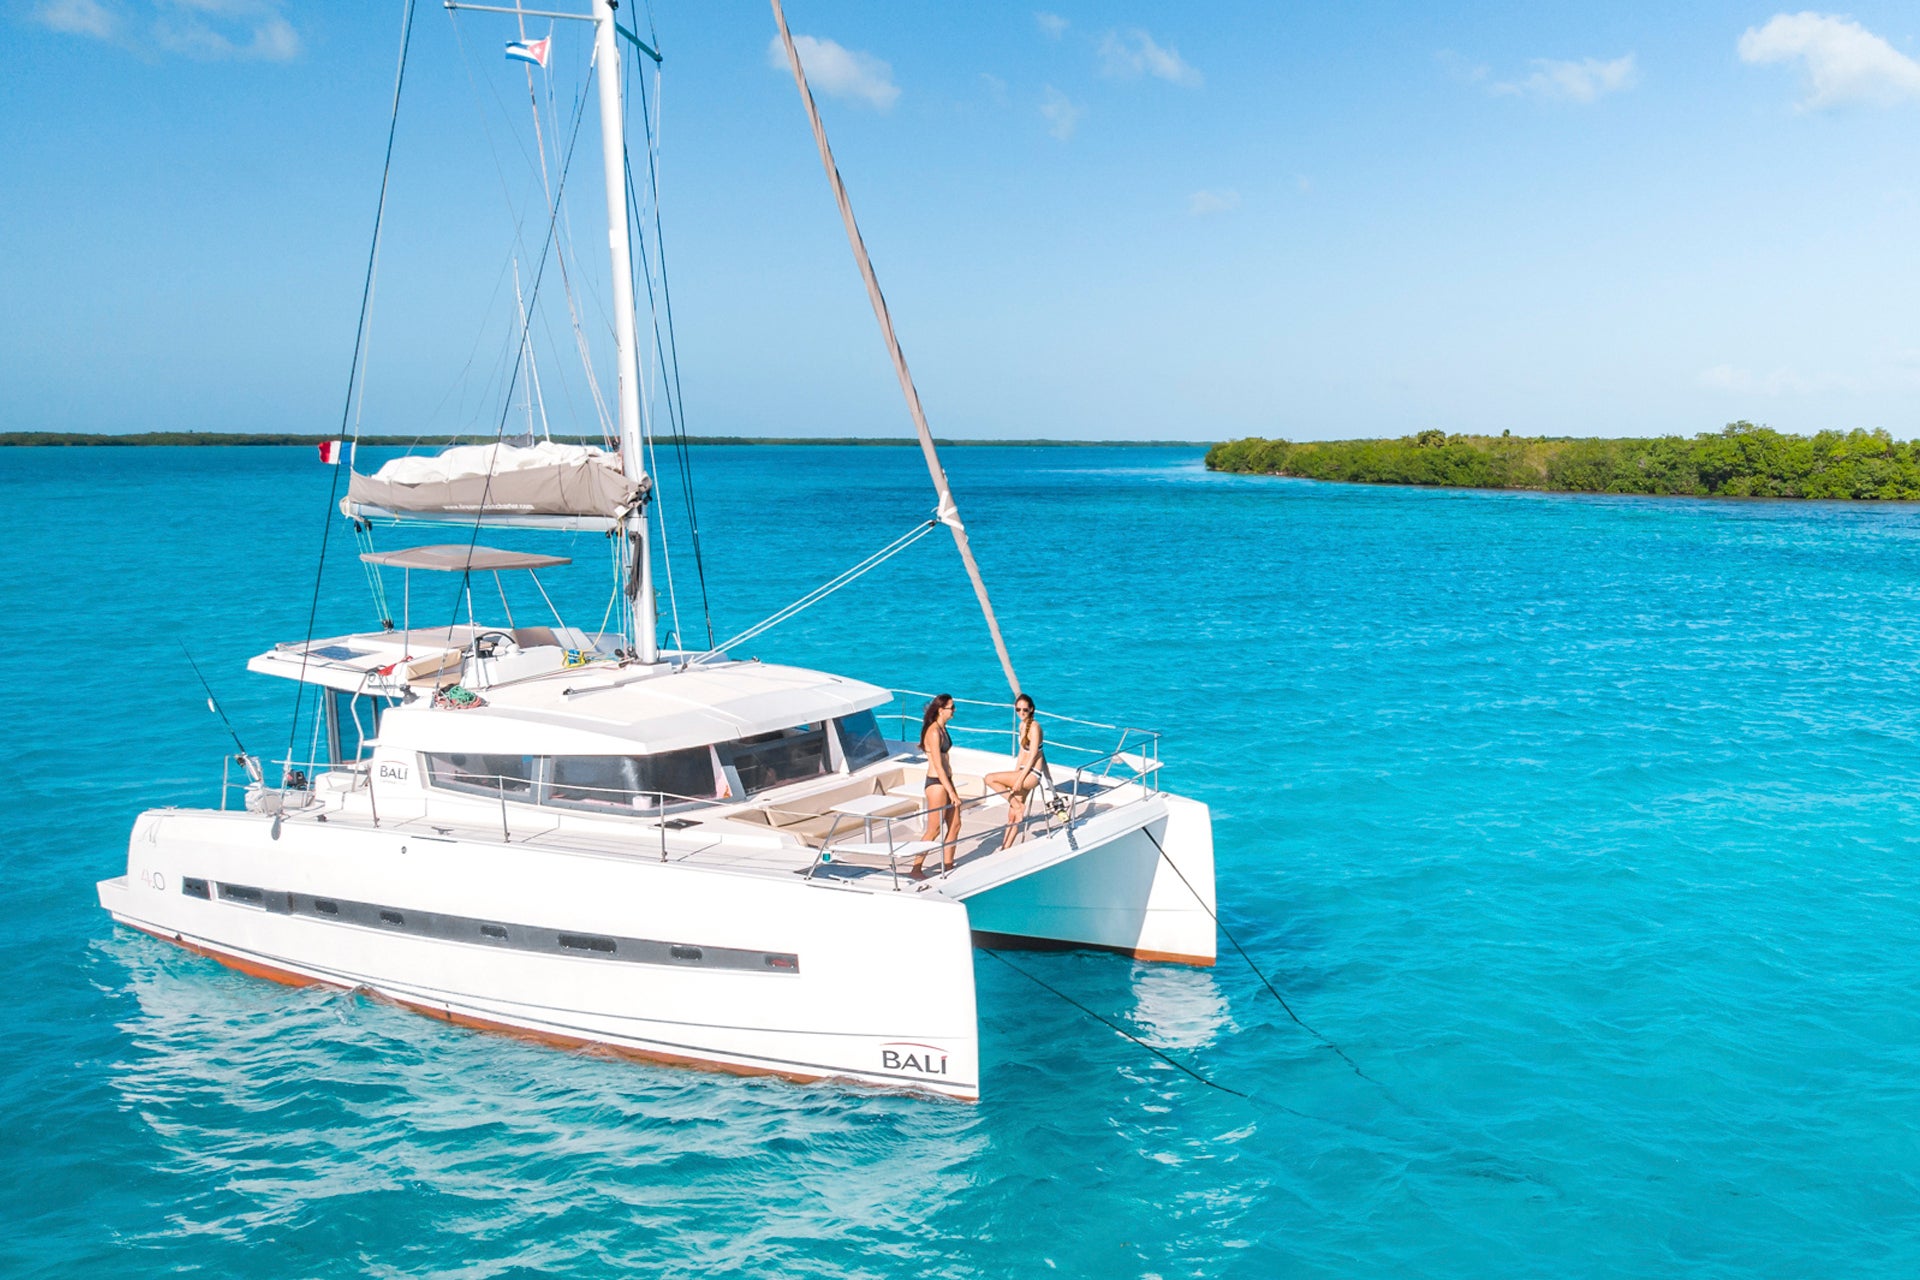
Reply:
x=352, y=718
x=630, y=782
x=860, y=740
x=774, y=759
x=486, y=775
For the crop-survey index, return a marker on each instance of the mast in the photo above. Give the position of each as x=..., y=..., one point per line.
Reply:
x=613, y=148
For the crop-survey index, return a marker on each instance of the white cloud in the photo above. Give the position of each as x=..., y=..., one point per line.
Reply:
x=1136, y=54
x=76, y=17
x=1062, y=113
x=839, y=72
x=1052, y=25
x=1844, y=62
x=996, y=87
x=255, y=30
x=1201, y=203
x=1584, y=81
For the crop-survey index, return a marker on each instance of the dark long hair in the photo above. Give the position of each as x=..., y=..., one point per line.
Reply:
x=940, y=702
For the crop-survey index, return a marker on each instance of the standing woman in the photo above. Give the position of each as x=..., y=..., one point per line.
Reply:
x=1028, y=763
x=942, y=796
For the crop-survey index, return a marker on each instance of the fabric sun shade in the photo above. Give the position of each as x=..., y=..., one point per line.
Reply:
x=545, y=479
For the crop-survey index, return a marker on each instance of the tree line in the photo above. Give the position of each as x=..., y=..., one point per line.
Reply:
x=1741, y=460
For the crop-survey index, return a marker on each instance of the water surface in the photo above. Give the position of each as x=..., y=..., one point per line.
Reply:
x=1584, y=826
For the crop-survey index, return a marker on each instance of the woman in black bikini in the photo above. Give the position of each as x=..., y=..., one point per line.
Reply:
x=1027, y=766
x=943, y=798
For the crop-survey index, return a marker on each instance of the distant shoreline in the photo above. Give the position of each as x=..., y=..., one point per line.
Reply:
x=1740, y=461
x=85, y=439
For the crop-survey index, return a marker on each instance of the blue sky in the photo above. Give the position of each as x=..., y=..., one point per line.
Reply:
x=1111, y=221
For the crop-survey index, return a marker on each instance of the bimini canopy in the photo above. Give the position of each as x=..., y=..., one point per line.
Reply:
x=517, y=483
x=457, y=558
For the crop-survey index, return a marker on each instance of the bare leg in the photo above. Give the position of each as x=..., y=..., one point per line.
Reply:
x=1016, y=814
x=953, y=837
x=936, y=797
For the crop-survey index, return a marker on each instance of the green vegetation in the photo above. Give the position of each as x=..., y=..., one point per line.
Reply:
x=1741, y=461
x=289, y=437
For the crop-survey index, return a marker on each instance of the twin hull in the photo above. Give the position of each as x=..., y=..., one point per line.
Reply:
x=809, y=979
x=802, y=979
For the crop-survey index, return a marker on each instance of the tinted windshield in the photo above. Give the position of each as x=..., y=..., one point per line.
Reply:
x=775, y=759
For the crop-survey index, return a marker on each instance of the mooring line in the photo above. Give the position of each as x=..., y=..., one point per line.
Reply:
x=1114, y=1027
x=1228, y=934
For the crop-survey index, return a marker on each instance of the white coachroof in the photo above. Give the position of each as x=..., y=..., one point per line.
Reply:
x=618, y=711
x=453, y=557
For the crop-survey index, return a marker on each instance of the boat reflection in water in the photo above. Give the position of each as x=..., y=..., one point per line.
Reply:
x=266, y=1102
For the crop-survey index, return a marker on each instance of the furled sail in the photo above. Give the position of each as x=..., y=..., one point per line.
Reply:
x=500, y=480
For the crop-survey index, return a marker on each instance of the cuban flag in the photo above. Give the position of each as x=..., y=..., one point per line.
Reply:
x=330, y=452
x=534, y=51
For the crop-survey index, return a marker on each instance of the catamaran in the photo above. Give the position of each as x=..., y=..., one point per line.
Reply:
x=593, y=838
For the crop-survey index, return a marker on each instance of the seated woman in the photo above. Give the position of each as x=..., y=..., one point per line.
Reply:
x=1028, y=766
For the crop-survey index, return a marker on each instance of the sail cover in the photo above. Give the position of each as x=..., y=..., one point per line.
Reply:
x=544, y=479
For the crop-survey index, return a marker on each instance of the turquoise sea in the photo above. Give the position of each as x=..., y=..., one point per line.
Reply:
x=1585, y=827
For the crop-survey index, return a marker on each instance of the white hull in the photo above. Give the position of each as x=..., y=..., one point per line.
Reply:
x=880, y=990
x=1138, y=881
x=805, y=978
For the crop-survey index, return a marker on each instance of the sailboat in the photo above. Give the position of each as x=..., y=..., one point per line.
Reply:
x=597, y=839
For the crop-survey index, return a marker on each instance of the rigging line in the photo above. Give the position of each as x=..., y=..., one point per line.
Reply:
x=672, y=354
x=493, y=149
x=647, y=417
x=353, y=373
x=376, y=584
x=949, y=512
x=566, y=237
x=1114, y=1027
x=821, y=592
x=506, y=406
x=1271, y=989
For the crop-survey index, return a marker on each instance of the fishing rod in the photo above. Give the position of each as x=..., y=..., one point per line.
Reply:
x=245, y=758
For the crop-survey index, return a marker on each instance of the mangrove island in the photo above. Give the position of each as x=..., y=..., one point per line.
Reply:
x=1739, y=461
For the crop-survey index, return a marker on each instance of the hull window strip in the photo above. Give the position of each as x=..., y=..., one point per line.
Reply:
x=494, y=934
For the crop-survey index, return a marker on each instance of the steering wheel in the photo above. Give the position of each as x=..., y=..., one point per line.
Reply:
x=490, y=644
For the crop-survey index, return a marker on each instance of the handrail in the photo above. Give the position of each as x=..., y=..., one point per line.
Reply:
x=1008, y=706
x=823, y=855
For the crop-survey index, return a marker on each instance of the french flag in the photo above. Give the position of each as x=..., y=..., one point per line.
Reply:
x=330, y=452
x=534, y=51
